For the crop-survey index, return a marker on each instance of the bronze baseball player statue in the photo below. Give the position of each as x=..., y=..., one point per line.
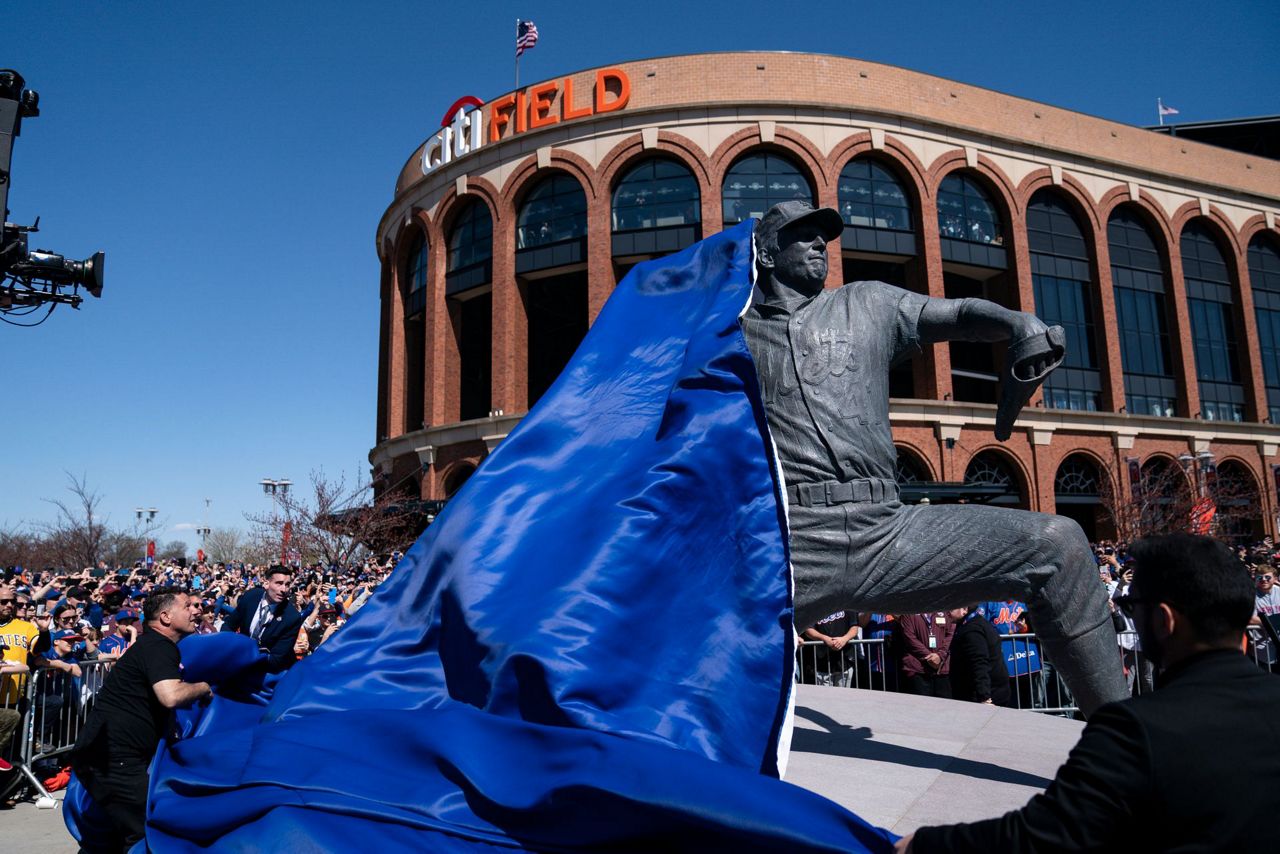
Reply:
x=823, y=358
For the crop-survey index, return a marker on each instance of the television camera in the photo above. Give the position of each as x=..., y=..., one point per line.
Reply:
x=33, y=278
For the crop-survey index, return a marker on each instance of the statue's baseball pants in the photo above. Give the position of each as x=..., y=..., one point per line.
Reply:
x=903, y=559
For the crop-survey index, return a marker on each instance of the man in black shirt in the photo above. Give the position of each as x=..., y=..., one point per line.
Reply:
x=134, y=711
x=1192, y=766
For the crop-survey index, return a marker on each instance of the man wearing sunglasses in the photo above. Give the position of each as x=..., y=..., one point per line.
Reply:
x=1266, y=604
x=1165, y=770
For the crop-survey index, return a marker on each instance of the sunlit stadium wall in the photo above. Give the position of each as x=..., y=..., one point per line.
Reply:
x=1160, y=257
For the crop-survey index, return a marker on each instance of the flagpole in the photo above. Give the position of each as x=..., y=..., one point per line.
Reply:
x=517, y=54
x=1159, y=109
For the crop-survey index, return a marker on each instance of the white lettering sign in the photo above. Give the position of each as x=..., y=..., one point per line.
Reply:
x=461, y=136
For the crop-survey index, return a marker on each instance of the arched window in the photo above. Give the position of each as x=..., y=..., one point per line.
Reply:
x=965, y=211
x=908, y=469
x=1213, y=333
x=1077, y=478
x=455, y=480
x=656, y=193
x=416, y=263
x=469, y=269
x=1061, y=279
x=471, y=240
x=414, y=278
x=991, y=469
x=1138, y=279
x=1264, y=280
x=415, y=345
x=871, y=196
x=554, y=211
x=1077, y=492
x=757, y=182
x=1239, y=508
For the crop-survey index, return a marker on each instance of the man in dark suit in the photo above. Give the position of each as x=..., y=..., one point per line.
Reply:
x=266, y=615
x=1192, y=766
x=978, y=671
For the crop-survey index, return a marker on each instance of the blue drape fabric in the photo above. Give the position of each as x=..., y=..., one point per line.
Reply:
x=589, y=649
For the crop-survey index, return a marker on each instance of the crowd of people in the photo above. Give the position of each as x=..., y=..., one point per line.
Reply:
x=75, y=624
x=985, y=652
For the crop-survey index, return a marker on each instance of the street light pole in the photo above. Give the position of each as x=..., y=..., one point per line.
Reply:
x=278, y=489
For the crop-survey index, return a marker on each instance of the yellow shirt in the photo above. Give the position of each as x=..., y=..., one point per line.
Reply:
x=19, y=639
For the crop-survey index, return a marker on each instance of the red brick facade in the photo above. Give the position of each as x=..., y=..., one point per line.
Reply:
x=706, y=111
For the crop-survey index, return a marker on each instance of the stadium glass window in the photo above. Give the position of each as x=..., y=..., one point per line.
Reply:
x=759, y=181
x=656, y=193
x=1213, y=339
x=870, y=196
x=965, y=212
x=1264, y=281
x=471, y=241
x=992, y=469
x=1060, y=276
x=554, y=211
x=416, y=263
x=1138, y=280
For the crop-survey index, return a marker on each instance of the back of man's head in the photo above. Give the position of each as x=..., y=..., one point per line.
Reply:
x=1200, y=578
x=159, y=601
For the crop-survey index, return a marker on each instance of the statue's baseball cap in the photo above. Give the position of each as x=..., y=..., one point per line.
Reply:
x=787, y=213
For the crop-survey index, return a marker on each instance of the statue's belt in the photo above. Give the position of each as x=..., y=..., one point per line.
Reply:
x=864, y=490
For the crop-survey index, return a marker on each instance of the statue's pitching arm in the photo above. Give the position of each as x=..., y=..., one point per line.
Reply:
x=1034, y=349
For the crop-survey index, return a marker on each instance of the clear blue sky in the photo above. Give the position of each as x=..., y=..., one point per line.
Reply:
x=233, y=160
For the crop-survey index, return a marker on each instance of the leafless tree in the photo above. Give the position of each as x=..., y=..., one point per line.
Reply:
x=172, y=550
x=1165, y=501
x=332, y=522
x=224, y=545
x=20, y=547
x=76, y=534
x=123, y=548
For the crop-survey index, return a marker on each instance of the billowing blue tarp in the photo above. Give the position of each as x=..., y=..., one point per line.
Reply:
x=589, y=649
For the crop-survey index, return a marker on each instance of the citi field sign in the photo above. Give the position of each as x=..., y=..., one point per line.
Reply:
x=462, y=128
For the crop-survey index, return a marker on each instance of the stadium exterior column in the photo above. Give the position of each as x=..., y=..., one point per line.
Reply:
x=384, y=344
x=1255, y=386
x=1107, y=329
x=1023, y=293
x=396, y=352
x=937, y=363
x=510, y=354
x=442, y=398
x=601, y=278
x=1184, y=356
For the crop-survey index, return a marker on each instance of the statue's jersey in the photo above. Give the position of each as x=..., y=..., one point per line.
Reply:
x=823, y=363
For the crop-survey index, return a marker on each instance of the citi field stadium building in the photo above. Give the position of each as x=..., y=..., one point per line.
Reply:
x=1160, y=256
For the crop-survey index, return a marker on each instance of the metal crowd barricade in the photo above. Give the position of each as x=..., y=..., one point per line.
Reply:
x=860, y=663
x=53, y=706
x=1034, y=682
x=1263, y=648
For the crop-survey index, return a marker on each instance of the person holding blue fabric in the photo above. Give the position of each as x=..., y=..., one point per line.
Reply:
x=823, y=359
x=133, y=713
x=267, y=616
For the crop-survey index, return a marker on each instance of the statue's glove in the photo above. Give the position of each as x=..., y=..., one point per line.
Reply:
x=1026, y=365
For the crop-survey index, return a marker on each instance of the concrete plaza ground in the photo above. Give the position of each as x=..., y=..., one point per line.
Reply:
x=24, y=828
x=898, y=761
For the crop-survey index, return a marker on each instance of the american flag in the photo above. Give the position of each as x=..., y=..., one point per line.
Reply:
x=1166, y=110
x=526, y=36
